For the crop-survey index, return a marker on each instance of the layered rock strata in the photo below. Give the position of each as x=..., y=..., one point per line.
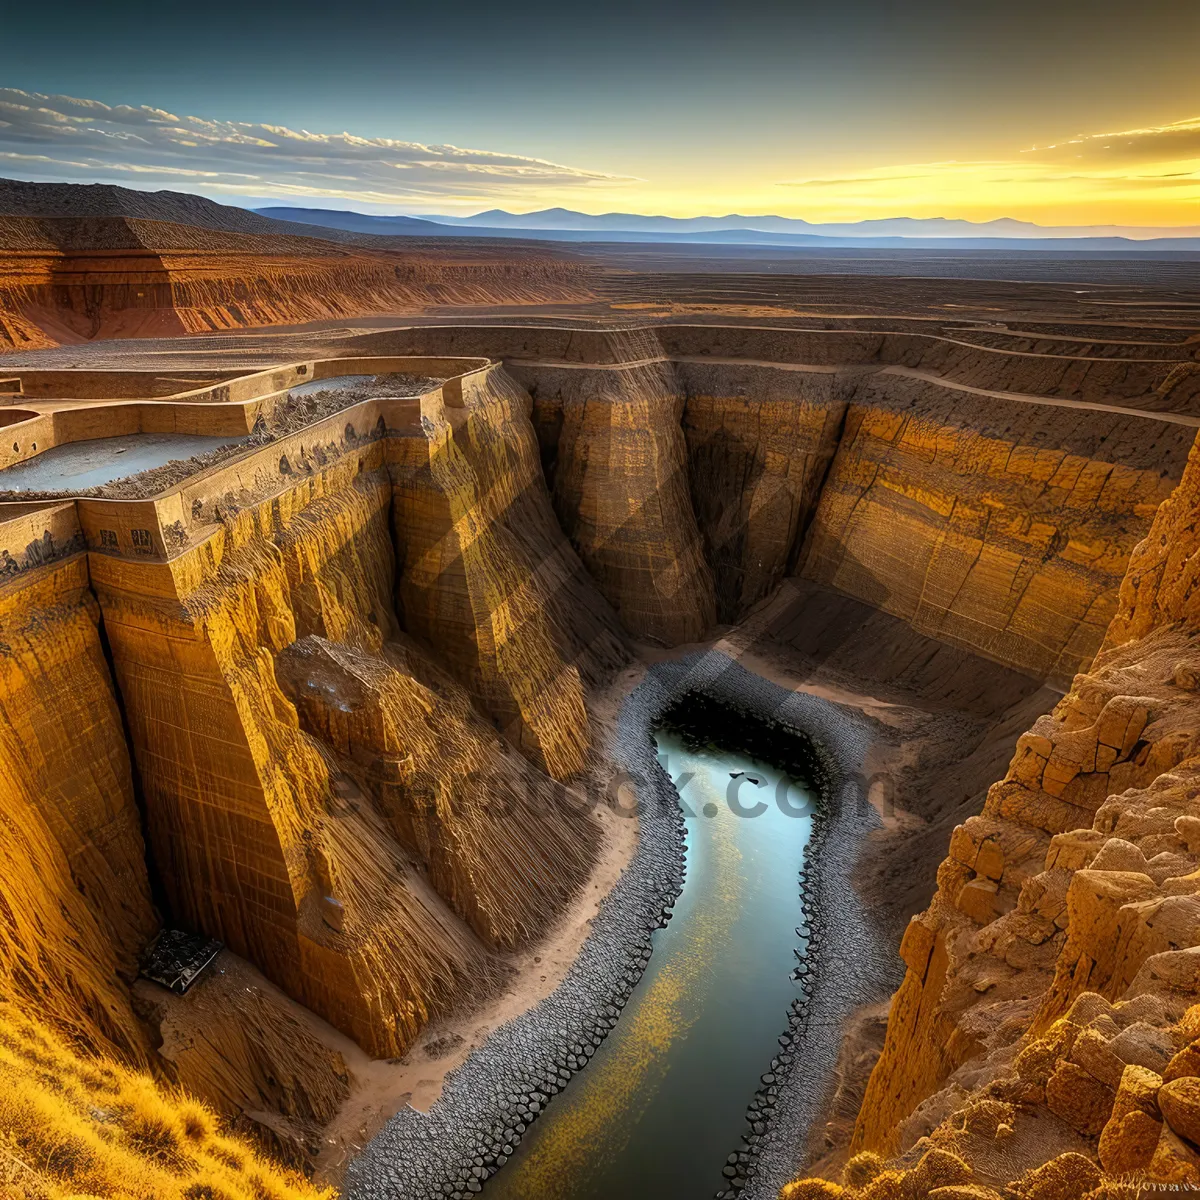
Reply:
x=81, y=1088
x=1045, y=1037
x=487, y=576
x=66, y=280
x=618, y=461
x=504, y=845
x=320, y=792
x=292, y=837
x=327, y=647
x=74, y=891
x=253, y=842
x=1096, y=369
x=1000, y=526
x=990, y=521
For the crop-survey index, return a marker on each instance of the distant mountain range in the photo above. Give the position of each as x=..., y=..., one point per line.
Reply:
x=565, y=219
x=561, y=224
x=102, y=201
x=926, y=237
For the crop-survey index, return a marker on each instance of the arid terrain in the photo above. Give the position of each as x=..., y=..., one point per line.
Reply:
x=340, y=668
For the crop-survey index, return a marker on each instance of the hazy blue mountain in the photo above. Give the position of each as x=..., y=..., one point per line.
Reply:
x=364, y=223
x=922, y=227
x=865, y=235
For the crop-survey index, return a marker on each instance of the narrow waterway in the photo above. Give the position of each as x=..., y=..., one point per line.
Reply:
x=662, y=1104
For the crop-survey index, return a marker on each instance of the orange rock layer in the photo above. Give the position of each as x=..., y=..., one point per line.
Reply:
x=65, y=281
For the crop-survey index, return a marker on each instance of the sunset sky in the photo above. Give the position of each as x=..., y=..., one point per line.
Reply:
x=1064, y=112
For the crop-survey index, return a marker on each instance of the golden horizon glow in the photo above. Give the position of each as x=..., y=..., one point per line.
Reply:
x=1145, y=175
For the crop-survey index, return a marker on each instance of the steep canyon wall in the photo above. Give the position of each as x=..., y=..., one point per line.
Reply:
x=322, y=790
x=998, y=523
x=355, y=669
x=1001, y=526
x=81, y=1088
x=487, y=575
x=288, y=828
x=1043, y=1041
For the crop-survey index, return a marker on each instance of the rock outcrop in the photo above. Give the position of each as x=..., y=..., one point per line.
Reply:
x=355, y=667
x=252, y=841
x=504, y=845
x=1044, y=1038
x=487, y=576
x=83, y=1102
x=74, y=891
x=619, y=468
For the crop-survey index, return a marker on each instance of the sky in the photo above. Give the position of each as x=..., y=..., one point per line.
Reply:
x=1062, y=112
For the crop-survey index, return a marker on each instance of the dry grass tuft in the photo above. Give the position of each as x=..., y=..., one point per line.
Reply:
x=75, y=1127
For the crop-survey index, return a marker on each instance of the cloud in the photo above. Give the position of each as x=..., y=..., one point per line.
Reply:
x=842, y=181
x=1151, y=143
x=71, y=139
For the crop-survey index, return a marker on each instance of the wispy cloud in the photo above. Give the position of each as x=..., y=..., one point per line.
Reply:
x=74, y=139
x=1151, y=143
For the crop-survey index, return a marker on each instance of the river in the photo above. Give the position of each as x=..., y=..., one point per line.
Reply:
x=662, y=1104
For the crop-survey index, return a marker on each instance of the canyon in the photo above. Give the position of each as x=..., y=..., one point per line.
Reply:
x=354, y=691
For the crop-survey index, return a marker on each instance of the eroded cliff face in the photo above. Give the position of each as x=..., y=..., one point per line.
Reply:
x=487, y=576
x=1001, y=526
x=356, y=667
x=320, y=789
x=321, y=793
x=997, y=523
x=1045, y=1038
x=83, y=1099
x=73, y=887
x=260, y=840
x=503, y=844
x=760, y=441
x=618, y=464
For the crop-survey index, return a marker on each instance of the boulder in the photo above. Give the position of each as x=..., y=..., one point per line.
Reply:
x=1179, y=1101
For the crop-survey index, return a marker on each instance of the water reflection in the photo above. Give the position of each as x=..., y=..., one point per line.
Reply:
x=663, y=1101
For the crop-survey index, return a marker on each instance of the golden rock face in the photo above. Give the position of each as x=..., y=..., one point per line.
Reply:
x=113, y=277
x=487, y=576
x=290, y=847
x=319, y=790
x=621, y=492
x=73, y=885
x=499, y=842
x=1055, y=972
x=990, y=524
x=615, y=458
